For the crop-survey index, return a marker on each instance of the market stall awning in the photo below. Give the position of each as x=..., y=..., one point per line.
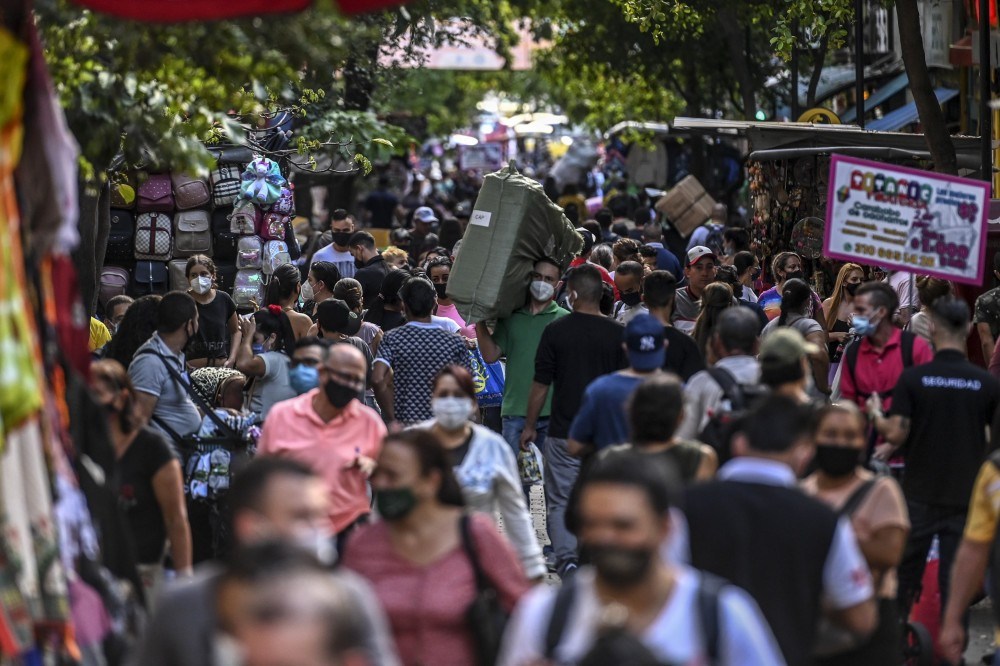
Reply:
x=907, y=115
x=179, y=11
x=877, y=98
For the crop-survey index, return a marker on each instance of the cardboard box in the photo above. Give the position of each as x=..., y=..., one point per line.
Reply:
x=687, y=205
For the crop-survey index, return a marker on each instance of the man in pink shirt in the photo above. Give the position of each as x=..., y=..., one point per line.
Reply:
x=331, y=430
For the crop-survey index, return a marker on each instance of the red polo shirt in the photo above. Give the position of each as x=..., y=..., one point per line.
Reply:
x=878, y=370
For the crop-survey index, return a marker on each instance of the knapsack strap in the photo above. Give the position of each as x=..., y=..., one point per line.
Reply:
x=206, y=409
x=469, y=545
x=709, y=589
x=559, y=617
x=730, y=387
x=856, y=498
x=907, y=341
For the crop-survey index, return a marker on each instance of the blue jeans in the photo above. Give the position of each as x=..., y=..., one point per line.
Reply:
x=513, y=426
x=561, y=470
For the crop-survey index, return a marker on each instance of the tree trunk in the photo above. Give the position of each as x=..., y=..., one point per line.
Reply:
x=818, y=63
x=931, y=117
x=94, y=225
x=736, y=43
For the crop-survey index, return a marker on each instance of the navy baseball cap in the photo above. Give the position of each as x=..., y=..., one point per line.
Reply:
x=645, y=341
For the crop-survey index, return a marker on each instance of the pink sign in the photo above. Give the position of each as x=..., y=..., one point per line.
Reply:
x=907, y=219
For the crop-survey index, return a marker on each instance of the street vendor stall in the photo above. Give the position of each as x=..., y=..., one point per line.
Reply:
x=788, y=166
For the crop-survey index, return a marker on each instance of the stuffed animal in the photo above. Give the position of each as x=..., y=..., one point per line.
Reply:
x=258, y=188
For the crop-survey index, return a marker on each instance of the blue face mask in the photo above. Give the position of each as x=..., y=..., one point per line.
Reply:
x=257, y=349
x=863, y=326
x=303, y=378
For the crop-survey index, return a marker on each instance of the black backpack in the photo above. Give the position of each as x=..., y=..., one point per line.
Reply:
x=850, y=360
x=709, y=589
x=223, y=240
x=121, y=238
x=741, y=397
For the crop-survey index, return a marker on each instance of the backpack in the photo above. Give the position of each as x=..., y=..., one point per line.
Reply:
x=150, y=277
x=156, y=195
x=245, y=218
x=121, y=237
x=177, y=272
x=709, y=589
x=715, y=239
x=153, y=237
x=273, y=227
x=275, y=254
x=190, y=192
x=223, y=239
x=741, y=397
x=225, y=275
x=192, y=234
x=114, y=282
x=249, y=253
x=248, y=288
x=262, y=181
x=285, y=204
x=225, y=180
x=850, y=360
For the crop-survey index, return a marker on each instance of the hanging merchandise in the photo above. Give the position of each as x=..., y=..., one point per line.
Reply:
x=262, y=182
x=245, y=218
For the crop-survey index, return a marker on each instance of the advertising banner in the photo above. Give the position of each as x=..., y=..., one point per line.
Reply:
x=906, y=219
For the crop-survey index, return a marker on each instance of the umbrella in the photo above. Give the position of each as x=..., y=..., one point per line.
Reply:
x=178, y=11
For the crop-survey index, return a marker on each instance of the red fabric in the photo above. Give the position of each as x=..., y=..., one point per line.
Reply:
x=72, y=325
x=176, y=11
x=878, y=371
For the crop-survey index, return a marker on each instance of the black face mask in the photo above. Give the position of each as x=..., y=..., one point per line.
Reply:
x=442, y=290
x=632, y=299
x=795, y=275
x=852, y=288
x=836, y=460
x=341, y=237
x=339, y=395
x=617, y=565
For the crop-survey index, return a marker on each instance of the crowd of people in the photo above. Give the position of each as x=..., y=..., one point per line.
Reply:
x=734, y=470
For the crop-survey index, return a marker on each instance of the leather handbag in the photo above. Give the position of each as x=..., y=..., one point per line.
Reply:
x=486, y=617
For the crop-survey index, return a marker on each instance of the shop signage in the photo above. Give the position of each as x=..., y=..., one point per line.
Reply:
x=906, y=219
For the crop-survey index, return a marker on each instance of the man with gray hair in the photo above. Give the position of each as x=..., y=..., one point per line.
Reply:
x=735, y=344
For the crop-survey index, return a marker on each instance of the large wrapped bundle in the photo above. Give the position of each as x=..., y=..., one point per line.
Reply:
x=512, y=226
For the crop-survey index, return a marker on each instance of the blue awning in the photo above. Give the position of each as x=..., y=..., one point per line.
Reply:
x=907, y=115
x=878, y=97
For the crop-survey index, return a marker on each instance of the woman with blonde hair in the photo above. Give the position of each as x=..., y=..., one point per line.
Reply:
x=839, y=306
x=717, y=297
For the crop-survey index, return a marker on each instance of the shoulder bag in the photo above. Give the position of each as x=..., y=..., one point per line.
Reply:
x=485, y=616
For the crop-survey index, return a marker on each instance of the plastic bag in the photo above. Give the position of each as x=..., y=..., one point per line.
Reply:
x=530, y=465
x=489, y=379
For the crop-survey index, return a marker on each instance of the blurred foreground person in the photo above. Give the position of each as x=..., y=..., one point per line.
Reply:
x=272, y=498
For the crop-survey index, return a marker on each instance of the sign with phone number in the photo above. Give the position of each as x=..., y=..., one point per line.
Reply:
x=906, y=219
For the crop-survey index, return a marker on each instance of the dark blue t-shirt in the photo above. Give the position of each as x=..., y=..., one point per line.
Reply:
x=602, y=421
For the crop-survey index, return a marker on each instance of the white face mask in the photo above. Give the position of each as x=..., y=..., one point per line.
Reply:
x=452, y=413
x=201, y=285
x=542, y=291
x=307, y=292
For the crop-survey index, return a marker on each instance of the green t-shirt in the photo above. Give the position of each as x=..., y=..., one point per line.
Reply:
x=518, y=336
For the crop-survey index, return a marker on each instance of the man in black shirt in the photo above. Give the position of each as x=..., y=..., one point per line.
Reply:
x=372, y=268
x=573, y=351
x=381, y=204
x=683, y=357
x=940, y=411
